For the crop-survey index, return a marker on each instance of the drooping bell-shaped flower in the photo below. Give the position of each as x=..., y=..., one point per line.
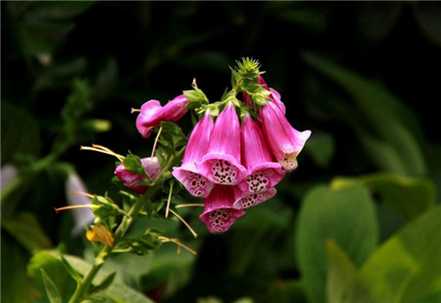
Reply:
x=222, y=163
x=285, y=141
x=152, y=113
x=130, y=179
x=188, y=173
x=263, y=172
x=219, y=213
x=152, y=167
x=148, y=116
x=248, y=200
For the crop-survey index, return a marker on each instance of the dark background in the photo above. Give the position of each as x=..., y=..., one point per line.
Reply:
x=128, y=53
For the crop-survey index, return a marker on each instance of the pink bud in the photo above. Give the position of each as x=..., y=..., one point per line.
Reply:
x=221, y=164
x=152, y=167
x=152, y=113
x=188, y=173
x=219, y=213
x=130, y=179
x=285, y=141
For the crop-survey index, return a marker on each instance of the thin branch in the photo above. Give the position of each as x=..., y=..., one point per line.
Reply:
x=185, y=223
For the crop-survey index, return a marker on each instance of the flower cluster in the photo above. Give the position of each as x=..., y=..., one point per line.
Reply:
x=236, y=165
x=236, y=154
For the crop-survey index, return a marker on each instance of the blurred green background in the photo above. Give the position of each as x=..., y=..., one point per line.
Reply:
x=358, y=221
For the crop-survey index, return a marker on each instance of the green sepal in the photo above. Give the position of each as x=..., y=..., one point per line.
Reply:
x=133, y=164
x=141, y=245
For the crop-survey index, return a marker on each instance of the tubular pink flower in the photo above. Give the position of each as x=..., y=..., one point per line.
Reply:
x=263, y=172
x=188, y=173
x=221, y=164
x=130, y=179
x=175, y=109
x=152, y=113
x=147, y=118
x=152, y=167
x=219, y=214
x=285, y=141
x=248, y=200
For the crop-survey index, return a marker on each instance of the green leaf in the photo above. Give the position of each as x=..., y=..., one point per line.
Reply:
x=172, y=136
x=389, y=121
x=27, y=231
x=16, y=287
x=428, y=17
x=407, y=268
x=51, y=289
x=104, y=284
x=343, y=283
x=346, y=216
x=376, y=22
x=71, y=271
x=409, y=196
x=321, y=147
x=50, y=261
x=20, y=133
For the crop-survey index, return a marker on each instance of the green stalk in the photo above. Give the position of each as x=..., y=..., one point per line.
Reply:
x=85, y=284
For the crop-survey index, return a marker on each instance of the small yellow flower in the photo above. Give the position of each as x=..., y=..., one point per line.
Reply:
x=100, y=233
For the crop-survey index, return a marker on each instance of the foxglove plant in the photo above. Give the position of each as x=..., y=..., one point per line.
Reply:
x=236, y=154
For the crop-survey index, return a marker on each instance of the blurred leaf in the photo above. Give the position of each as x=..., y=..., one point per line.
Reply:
x=310, y=18
x=51, y=289
x=346, y=216
x=27, y=231
x=321, y=148
x=16, y=286
x=428, y=16
x=375, y=22
x=70, y=270
x=286, y=291
x=106, y=81
x=104, y=283
x=50, y=261
x=343, y=283
x=215, y=61
x=42, y=26
x=391, y=121
x=410, y=197
x=20, y=133
x=59, y=75
x=407, y=268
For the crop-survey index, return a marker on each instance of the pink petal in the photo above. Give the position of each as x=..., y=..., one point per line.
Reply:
x=219, y=214
x=252, y=199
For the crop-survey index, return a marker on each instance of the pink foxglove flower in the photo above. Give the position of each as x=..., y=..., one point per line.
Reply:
x=188, y=173
x=175, y=109
x=222, y=163
x=263, y=172
x=285, y=141
x=248, y=200
x=219, y=213
x=148, y=117
x=152, y=113
x=130, y=179
x=152, y=167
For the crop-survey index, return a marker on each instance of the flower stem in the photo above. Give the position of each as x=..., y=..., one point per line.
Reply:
x=84, y=285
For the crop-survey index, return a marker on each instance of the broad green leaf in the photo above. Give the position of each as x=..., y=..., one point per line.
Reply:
x=16, y=286
x=409, y=196
x=70, y=270
x=51, y=289
x=343, y=283
x=50, y=260
x=27, y=231
x=104, y=284
x=390, y=121
x=407, y=268
x=20, y=133
x=321, y=148
x=346, y=216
